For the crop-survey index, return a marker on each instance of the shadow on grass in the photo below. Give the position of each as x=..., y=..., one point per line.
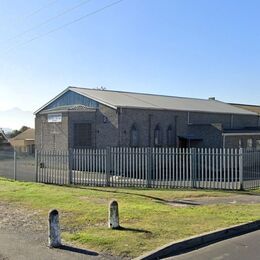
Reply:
x=125, y=193
x=77, y=250
x=160, y=200
x=134, y=230
x=182, y=202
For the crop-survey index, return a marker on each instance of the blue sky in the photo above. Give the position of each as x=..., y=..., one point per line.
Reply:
x=194, y=48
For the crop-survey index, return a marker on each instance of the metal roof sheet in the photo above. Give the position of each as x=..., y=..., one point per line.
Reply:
x=117, y=99
x=253, y=108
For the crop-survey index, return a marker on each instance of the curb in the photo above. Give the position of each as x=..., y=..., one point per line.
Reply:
x=177, y=247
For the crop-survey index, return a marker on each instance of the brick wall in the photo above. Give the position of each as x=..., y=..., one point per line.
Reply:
x=111, y=127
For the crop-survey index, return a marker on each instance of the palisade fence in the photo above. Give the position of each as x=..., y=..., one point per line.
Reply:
x=151, y=167
x=17, y=165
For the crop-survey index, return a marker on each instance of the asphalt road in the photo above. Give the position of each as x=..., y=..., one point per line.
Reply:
x=243, y=247
x=15, y=246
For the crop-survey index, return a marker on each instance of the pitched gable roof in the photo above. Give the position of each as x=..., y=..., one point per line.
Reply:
x=116, y=99
x=28, y=134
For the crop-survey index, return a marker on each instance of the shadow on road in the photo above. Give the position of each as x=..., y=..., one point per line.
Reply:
x=77, y=250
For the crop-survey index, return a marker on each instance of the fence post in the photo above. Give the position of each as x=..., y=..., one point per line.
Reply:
x=149, y=167
x=70, y=165
x=108, y=165
x=15, y=165
x=241, y=169
x=193, y=167
x=36, y=165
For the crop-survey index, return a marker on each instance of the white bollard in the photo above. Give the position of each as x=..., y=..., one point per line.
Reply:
x=54, y=239
x=113, y=218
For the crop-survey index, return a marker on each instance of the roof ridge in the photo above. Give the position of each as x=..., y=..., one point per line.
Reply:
x=144, y=93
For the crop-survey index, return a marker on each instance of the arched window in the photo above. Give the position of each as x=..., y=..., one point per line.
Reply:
x=169, y=135
x=134, y=136
x=157, y=135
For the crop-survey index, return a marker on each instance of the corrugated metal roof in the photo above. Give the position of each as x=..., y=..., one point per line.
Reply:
x=253, y=108
x=151, y=101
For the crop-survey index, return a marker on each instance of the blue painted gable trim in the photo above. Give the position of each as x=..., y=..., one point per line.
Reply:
x=72, y=98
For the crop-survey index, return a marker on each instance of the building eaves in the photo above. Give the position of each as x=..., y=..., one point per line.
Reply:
x=68, y=108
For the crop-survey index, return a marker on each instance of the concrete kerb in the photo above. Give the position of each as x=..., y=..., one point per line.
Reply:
x=178, y=247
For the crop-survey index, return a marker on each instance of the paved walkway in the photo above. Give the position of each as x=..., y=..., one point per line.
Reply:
x=232, y=199
x=242, y=247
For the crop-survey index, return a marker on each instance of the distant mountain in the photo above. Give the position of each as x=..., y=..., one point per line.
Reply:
x=15, y=118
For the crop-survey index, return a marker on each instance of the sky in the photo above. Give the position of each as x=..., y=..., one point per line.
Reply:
x=191, y=48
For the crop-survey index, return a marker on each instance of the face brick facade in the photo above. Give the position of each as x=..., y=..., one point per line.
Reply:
x=142, y=127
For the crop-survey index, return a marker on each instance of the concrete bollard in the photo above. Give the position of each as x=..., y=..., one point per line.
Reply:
x=54, y=239
x=113, y=218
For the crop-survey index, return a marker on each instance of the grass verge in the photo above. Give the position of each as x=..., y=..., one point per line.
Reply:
x=147, y=220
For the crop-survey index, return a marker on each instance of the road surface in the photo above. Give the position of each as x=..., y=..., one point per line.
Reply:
x=242, y=247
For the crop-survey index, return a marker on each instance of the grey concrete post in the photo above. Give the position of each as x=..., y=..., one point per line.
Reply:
x=113, y=216
x=54, y=239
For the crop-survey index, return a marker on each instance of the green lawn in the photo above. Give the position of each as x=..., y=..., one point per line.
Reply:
x=147, y=221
